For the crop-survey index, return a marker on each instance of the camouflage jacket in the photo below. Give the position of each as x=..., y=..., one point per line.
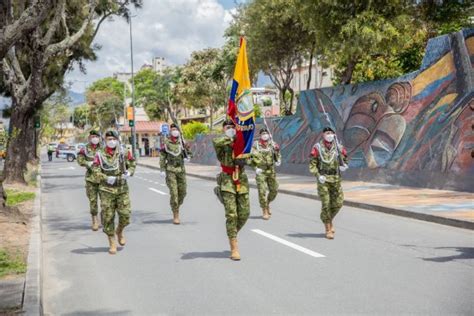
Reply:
x=172, y=155
x=86, y=155
x=324, y=161
x=111, y=162
x=224, y=151
x=264, y=156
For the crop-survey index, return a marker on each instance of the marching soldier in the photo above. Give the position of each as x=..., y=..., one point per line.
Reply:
x=111, y=169
x=232, y=186
x=85, y=158
x=172, y=156
x=265, y=156
x=328, y=159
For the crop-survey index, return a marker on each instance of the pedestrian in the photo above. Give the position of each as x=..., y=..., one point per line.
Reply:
x=51, y=150
x=232, y=186
x=265, y=156
x=172, y=157
x=328, y=159
x=85, y=158
x=112, y=167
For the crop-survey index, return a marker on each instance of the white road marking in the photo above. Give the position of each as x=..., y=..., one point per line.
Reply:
x=68, y=168
x=157, y=191
x=289, y=244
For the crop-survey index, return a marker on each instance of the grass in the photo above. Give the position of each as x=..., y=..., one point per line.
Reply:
x=10, y=264
x=16, y=197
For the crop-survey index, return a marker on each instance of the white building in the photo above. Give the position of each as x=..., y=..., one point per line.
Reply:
x=320, y=77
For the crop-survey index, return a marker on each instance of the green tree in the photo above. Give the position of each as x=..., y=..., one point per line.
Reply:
x=34, y=68
x=192, y=129
x=81, y=116
x=104, y=108
x=109, y=84
x=277, y=42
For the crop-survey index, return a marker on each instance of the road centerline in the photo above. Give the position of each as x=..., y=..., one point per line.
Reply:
x=289, y=244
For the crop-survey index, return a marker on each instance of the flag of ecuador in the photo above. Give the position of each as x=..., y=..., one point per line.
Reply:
x=240, y=108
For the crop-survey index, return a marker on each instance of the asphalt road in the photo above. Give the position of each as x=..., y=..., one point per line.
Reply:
x=378, y=264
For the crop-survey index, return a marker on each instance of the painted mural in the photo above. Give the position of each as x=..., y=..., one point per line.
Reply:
x=415, y=130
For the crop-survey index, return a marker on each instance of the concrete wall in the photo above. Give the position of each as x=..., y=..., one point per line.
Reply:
x=414, y=130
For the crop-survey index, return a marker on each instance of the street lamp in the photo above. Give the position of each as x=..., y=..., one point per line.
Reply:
x=134, y=135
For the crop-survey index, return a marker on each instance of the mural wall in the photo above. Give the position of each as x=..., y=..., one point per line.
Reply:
x=414, y=130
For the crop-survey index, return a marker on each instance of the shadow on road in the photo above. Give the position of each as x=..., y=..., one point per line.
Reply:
x=255, y=217
x=306, y=235
x=63, y=176
x=206, y=255
x=464, y=253
x=99, y=312
x=167, y=221
x=92, y=250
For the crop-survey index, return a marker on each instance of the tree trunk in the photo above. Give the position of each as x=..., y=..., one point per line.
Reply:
x=292, y=98
x=21, y=146
x=211, y=117
x=346, y=77
x=311, y=55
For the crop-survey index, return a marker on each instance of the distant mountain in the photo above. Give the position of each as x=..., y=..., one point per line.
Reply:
x=76, y=98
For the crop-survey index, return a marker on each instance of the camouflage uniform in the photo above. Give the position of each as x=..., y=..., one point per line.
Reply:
x=86, y=156
x=264, y=157
x=172, y=162
x=235, y=198
x=114, y=198
x=324, y=162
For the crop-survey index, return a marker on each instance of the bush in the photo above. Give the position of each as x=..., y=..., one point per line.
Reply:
x=192, y=129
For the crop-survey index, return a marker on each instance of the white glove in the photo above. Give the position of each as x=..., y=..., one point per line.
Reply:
x=126, y=175
x=258, y=171
x=278, y=163
x=90, y=163
x=187, y=159
x=162, y=174
x=111, y=180
x=322, y=179
x=343, y=168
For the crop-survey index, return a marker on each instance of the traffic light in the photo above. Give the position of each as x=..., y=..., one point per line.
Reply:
x=131, y=123
x=37, y=122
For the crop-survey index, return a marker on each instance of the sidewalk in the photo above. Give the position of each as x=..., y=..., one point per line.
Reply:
x=439, y=206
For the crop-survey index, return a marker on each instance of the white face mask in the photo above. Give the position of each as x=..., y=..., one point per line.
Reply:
x=174, y=133
x=111, y=143
x=328, y=137
x=94, y=140
x=265, y=137
x=230, y=132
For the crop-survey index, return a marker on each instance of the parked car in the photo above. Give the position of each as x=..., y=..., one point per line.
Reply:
x=70, y=152
x=61, y=147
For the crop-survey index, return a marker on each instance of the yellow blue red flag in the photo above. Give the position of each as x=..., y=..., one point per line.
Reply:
x=240, y=108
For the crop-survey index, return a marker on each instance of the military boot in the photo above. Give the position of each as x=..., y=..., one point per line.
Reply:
x=332, y=227
x=265, y=213
x=95, y=223
x=120, y=236
x=329, y=233
x=176, y=218
x=269, y=211
x=234, y=250
x=112, y=245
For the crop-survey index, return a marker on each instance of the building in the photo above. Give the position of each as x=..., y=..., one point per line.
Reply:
x=148, y=133
x=268, y=100
x=320, y=77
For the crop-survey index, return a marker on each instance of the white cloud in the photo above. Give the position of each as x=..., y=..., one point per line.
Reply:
x=172, y=29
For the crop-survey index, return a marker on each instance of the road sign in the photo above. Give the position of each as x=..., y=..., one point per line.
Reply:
x=165, y=129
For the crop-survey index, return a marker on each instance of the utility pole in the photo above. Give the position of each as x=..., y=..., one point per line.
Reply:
x=134, y=135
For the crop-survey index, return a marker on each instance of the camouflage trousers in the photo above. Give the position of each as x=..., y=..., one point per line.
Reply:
x=266, y=182
x=332, y=198
x=237, y=211
x=176, y=182
x=112, y=203
x=92, y=191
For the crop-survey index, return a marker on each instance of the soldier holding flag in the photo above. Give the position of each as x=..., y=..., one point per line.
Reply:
x=233, y=150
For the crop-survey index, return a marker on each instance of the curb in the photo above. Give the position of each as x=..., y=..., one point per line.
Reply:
x=366, y=206
x=32, y=293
